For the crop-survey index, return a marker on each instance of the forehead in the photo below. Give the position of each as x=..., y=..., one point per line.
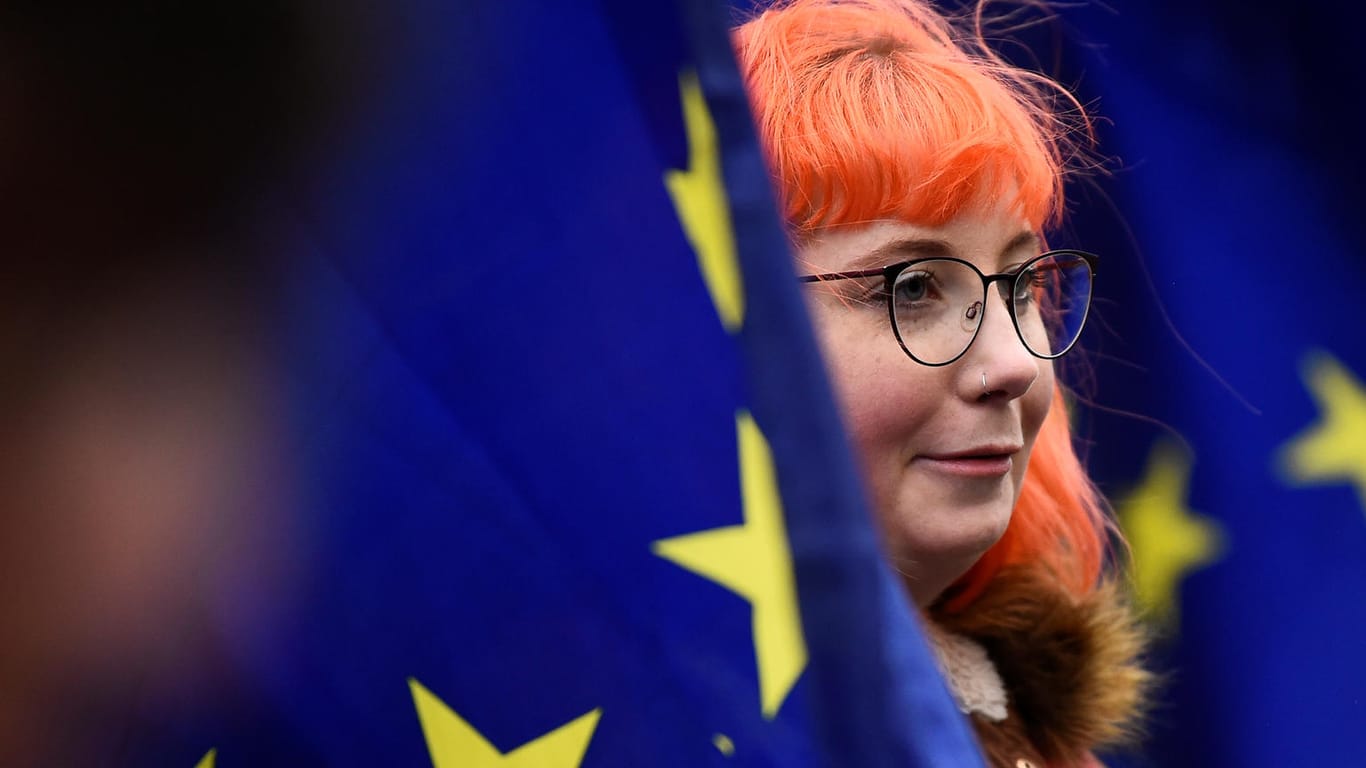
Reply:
x=989, y=239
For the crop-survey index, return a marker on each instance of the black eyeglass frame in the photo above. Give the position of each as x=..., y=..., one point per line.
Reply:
x=891, y=272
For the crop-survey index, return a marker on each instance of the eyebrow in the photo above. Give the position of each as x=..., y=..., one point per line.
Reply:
x=909, y=248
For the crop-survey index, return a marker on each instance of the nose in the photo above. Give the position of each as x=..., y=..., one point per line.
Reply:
x=1010, y=370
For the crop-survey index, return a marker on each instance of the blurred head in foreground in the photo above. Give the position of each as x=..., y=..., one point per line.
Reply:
x=142, y=454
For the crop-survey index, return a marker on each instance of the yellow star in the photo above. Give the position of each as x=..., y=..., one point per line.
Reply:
x=453, y=743
x=699, y=196
x=753, y=560
x=1166, y=539
x=723, y=744
x=207, y=760
x=1334, y=449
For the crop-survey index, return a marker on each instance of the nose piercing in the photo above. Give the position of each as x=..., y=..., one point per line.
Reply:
x=985, y=391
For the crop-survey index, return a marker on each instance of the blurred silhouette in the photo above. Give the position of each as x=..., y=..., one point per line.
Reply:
x=141, y=449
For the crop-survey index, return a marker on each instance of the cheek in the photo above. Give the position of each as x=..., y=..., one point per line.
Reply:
x=1035, y=404
x=880, y=392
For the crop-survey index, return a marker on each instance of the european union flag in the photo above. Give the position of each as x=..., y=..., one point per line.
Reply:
x=573, y=490
x=1236, y=336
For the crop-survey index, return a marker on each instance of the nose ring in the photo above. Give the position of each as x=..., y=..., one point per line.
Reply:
x=985, y=391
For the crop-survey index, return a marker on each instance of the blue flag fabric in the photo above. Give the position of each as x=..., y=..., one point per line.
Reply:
x=1230, y=322
x=574, y=489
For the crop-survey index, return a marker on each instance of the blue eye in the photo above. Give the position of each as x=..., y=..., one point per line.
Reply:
x=1028, y=282
x=914, y=286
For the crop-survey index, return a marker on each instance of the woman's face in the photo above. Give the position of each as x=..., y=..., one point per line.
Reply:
x=942, y=455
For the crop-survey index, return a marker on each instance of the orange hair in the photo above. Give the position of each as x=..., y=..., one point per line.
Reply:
x=886, y=109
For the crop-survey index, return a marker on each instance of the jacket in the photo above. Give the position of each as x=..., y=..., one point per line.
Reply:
x=1071, y=669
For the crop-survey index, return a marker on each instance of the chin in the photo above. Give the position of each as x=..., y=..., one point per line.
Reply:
x=956, y=523
x=934, y=551
x=966, y=537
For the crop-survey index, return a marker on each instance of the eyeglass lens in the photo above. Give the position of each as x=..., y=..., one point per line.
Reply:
x=938, y=305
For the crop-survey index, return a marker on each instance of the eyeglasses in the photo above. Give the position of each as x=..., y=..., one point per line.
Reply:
x=936, y=305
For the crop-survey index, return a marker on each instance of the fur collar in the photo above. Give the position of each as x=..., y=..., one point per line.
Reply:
x=973, y=681
x=1071, y=667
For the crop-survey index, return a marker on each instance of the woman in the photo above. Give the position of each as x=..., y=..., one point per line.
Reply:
x=919, y=175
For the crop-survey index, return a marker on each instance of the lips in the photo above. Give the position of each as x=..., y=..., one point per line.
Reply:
x=989, y=450
x=981, y=461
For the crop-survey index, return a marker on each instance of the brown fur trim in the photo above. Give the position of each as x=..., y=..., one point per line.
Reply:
x=1071, y=666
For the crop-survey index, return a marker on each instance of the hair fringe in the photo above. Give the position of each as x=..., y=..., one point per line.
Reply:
x=873, y=109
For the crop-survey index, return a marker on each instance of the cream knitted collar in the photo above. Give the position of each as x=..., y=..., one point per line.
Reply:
x=973, y=680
